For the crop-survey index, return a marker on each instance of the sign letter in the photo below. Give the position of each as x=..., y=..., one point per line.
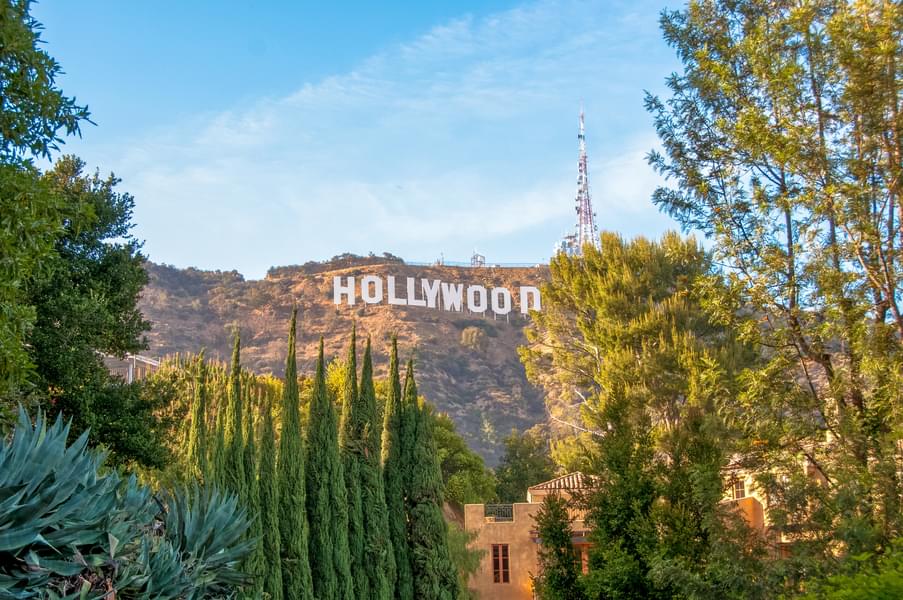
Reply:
x=526, y=293
x=390, y=280
x=377, y=296
x=430, y=292
x=413, y=300
x=474, y=292
x=501, y=301
x=452, y=295
x=339, y=290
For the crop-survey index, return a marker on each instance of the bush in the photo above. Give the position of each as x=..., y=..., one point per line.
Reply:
x=68, y=529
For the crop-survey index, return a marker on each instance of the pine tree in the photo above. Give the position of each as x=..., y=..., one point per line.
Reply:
x=293, y=526
x=351, y=432
x=197, y=441
x=218, y=448
x=269, y=505
x=234, y=464
x=255, y=563
x=327, y=513
x=394, y=469
x=379, y=557
x=559, y=570
x=434, y=575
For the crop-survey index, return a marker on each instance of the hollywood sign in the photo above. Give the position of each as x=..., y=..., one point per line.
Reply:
x=433, y=293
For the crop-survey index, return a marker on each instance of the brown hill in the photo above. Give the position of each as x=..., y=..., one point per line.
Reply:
x=467, y=363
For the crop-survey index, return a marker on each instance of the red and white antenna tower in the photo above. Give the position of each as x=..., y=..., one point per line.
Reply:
x=586, y=218
x=586, y=231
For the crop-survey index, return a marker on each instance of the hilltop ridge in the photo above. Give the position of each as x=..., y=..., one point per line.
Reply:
x=467, y=362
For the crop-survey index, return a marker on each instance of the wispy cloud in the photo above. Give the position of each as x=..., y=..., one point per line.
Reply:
x=461, y=137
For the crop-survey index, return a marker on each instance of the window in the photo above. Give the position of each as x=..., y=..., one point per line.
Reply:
x=739, y=489
x=500, y=572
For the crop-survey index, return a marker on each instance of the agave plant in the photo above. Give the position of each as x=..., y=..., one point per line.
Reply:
x=68, y=530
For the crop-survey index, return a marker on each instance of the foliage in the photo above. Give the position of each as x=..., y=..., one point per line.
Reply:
x=526, y=462
x=351, y=432
x=434, y=576
x=464, y=474
x=395, y=467
x=269, y=505
x=327, y=514
x=465, y=558
x=878, y=580
x=70, y=526
x=293, y=524
x=782, y=141
x=235, y=479
x=559, y=566
x=34, y=110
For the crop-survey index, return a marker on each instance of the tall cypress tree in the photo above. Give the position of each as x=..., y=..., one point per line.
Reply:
x=218, y=448
x=269, y=505
x=293, y=526
x=434, y=574
x=197, y=440
x=351, y=433
x=255, y=563
x=379, y=558
x=327, y=513
x=234, y=465
x=394, y=469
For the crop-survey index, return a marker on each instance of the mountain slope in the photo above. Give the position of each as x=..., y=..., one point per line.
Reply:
x=467, y=363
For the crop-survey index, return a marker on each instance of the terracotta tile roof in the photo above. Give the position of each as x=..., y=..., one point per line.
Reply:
x=571, y=481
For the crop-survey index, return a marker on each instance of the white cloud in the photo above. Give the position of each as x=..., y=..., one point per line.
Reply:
x=459, y=137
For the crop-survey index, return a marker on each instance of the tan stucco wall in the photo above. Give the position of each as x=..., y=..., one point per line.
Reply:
x=521, y=548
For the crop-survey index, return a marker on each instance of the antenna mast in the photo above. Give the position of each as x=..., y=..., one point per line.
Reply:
x=586, y=231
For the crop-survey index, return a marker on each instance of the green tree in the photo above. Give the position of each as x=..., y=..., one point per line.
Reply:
x=394, y=473
x=197, y=441
x=379, y=557
x=465, y=557
x=293, y=525
x=464, y=474
x=327, y=502
x=269, y=505
x=434, y=576
x=85, y=302
x=624, y=325
x=233, y=429
x=33, y=113
x=526, y=462
x=351, y=434
x=255, y=565
x=782, y=141
x=559, y=567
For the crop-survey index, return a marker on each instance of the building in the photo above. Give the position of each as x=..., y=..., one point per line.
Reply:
x=132, y=367
x=507, y=533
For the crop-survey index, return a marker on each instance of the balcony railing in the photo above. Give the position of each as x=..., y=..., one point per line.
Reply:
x=498, y=512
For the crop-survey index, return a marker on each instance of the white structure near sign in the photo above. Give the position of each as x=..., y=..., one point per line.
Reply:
x=433, y=293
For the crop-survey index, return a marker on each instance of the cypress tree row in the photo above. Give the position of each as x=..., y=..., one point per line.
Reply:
x=326, y=498
x=233, y=463
x=269, y=505
x=394, y=469
x=434, y=574
x=197, y=440
x=379, y=558
x=351, y=433
x=292, y=519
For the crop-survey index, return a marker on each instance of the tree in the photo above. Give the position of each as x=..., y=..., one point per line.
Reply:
x=197, y=441
x=433, y=574
x=255, y=565
x=559, y=567
x=782, y=142
x=327, y=501
x=378, y=557
x=293, y=525
x=464, y=474
x=269, y=505
x=625, y=324
x=85, y=301
x=351, y=433
x=234, y=461
x=395, y=469
x=33, y=113
x=526, y=462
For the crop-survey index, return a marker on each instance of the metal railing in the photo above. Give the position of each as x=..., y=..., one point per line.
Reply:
x=499, y=512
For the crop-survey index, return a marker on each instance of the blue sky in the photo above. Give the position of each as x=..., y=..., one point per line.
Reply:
x=256, y=137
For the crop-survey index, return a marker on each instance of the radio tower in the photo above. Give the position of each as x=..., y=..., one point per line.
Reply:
x=586, y=231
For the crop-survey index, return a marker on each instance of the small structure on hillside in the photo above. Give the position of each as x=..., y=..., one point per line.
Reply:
x=132, y=367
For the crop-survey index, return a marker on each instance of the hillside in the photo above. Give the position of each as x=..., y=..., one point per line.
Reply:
x=467, y=363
